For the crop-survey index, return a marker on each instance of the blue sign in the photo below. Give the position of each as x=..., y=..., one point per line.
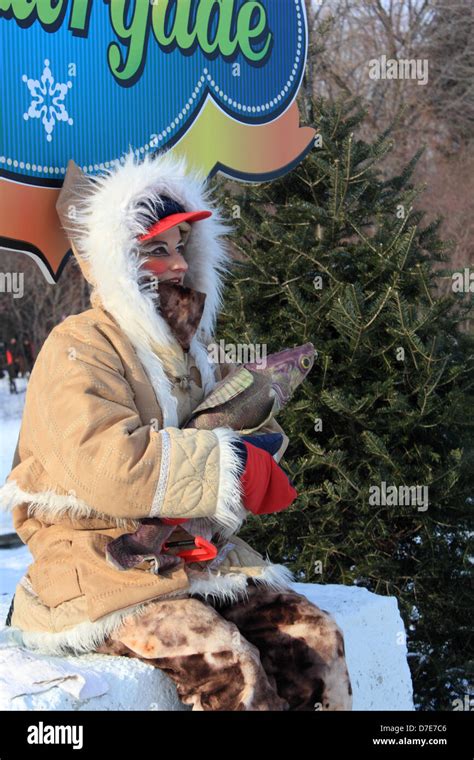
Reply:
x=85, y=79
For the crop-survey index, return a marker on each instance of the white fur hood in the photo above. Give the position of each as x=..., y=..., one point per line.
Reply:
x=102, y=218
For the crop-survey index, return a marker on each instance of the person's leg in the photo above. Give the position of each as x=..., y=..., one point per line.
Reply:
x=301, y=647
x=210, y=662
x=11, y=377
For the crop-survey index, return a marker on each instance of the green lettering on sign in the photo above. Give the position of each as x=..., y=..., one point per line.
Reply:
x=170, y=21
x=43, y=10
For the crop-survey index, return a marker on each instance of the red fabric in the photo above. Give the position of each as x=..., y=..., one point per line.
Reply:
x=9, y=356
x=174, y=520
x=266, y=487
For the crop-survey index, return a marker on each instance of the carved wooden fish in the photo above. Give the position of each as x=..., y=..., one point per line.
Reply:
x=252, y=393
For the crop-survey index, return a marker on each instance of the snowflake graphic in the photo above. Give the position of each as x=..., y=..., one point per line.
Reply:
x=47, y=100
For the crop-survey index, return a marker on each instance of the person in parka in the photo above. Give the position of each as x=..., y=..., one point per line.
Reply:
x=101, y=448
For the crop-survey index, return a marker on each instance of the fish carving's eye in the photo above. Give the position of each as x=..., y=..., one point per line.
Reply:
x=305, y=362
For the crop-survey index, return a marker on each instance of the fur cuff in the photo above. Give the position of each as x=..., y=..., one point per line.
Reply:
x=230, y=512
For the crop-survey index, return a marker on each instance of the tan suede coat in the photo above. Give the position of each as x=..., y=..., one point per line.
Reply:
x=100, y=445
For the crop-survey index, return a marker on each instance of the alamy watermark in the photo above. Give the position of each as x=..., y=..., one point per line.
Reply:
x=46, y=734
x=399, y=68
x=397, y=496
x=12, y=282
x=237, y=353
x=463, y=282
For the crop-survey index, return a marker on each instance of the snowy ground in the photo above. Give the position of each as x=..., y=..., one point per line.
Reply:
x=13, y=562
x=11, y=408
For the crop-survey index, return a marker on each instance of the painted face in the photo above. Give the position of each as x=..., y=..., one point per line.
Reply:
x=164, y=256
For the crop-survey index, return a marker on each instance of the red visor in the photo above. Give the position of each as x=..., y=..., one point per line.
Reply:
x=170, y=221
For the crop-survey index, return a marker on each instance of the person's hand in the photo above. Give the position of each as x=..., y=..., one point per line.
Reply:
x=131, y=549
x=266, y=487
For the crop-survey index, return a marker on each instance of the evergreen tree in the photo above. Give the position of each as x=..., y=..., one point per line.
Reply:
x=337, y=255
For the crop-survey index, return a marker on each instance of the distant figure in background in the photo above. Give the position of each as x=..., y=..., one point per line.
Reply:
x=12, y=357
x=29, y=356
x=3, y=358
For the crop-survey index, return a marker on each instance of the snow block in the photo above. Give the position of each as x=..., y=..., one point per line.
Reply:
x=375, y=646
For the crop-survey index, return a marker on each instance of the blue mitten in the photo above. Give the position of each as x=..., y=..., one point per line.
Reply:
x=269, y=442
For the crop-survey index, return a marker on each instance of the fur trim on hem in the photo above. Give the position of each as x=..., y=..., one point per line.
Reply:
x=88, y=636
x=85, y=637
x=276, y=577
x=232, y=587
x=81, y=639
x=49, y=504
